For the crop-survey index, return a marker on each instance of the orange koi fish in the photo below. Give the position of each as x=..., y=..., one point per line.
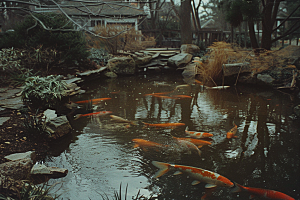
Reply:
x=164, y=97
x=144, y=144
x=269, y=194
x=199, y=175
x=198, y=143
x=179, y=96
x=232, y=132
x=96, y=114
x=188, y=146
x=93, y=100
x=157, y=94
x=198, y=135
x=164, y=125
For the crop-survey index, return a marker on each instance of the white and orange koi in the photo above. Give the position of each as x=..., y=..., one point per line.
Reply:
x=188, y=146
x=95, y=114
x=196, y=134
x=118, y=119
x=163, y=125
x=198, y=143
x=232, y=132
x=146, y=144
x=199, y=175
x=93, y=100
x=269, y=194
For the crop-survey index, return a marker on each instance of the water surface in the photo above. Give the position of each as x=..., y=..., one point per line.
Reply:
x=100, y=158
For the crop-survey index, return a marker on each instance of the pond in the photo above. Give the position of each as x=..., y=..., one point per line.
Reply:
x=101, y=157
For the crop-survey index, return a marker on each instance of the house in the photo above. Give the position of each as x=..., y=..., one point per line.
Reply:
x=92, y=13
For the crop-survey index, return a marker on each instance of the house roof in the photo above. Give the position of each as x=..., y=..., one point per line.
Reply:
x=99, y=8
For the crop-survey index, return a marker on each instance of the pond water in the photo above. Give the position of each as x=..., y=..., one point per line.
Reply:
x=100, y=157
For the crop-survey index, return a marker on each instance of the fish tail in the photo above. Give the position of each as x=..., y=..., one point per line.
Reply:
x=163, y=168
x=237, y=188
x=77, y=116
x=136, y=145
x=186, y=128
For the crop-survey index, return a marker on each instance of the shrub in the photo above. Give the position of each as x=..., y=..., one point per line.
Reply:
x=27, y=34
x=46, y=91
x=35, y=127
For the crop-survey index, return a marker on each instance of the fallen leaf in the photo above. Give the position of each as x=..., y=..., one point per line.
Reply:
x=7, y=142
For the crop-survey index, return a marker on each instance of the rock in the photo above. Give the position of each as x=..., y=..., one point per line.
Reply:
x=12, y=103
x=3, y=119
x=17, y=156
x=111, y=74
x=50, y=114
x=122, y=65
x=92, y=72
x=236, y=68
x=58, y=127
x=180, y=60
x=189, y=48
x=142, y=60
x=17, y=170
x=265, y=78
x=51, y=172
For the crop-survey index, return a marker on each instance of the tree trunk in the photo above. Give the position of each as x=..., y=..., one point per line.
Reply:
x=253, y=39
x=185, y=22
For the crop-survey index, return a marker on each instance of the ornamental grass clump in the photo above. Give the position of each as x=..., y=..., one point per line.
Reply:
x=44, y=91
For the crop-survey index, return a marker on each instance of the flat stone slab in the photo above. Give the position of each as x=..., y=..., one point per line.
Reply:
x=9, y=93
x=3, y=119
x=12, y=103
x=87, y=73
x=17, y=156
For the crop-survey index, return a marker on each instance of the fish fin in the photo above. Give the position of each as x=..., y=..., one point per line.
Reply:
x=163, y=168
x=200, y=146
x=235, y=136
x=210, y=185
x=187, y=128
x=136, y=145
x=77, y=116
x=237, y=188
x=195, y=182
x=177, y=173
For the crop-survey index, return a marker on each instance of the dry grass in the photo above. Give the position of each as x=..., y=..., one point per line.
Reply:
x=130, y=40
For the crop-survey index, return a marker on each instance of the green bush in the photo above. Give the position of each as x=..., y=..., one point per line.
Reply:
x=44, y=91
x=29, y=34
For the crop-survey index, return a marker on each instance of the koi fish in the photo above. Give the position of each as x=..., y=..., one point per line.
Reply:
x=96, y=114
x=217, y=87
x=115, y=92
x=269, y=194
x=163, y=97
x=198, y=82
x=199, y=175
x=232, y=132
x=93, y=100
x=198, y=143
x=179, y=96
x=144, y=144
x=118, y=119
x=164, y=125
x=157, y=94
x=188, y=146
x=198, y=135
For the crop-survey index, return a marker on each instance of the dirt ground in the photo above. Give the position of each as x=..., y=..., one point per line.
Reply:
x=14, y=138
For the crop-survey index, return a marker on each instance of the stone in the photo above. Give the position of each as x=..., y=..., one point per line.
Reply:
x=92, y=72
x=236, y=68
x=297, y=110
x=111, y=74
x=142, y=60
x=17, y=169
x=122, y=65
x=180, y=60
x=58, y=127
x=189, y=48
x=3, y=119
x=50, y=172
x=12, y=103
x=265, y=78
x=17, y=156
x=50, y=114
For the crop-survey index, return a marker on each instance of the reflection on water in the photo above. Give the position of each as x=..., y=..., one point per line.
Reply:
x=99, y=158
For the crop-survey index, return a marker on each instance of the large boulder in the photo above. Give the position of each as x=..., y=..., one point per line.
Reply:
x=122, y=65
x=180, y=60
x=17, y=169
x=190, y=48
x=142, y=60
x=58, y=127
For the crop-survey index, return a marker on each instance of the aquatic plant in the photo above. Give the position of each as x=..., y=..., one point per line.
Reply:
x=46, y=91
x=34, y=125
